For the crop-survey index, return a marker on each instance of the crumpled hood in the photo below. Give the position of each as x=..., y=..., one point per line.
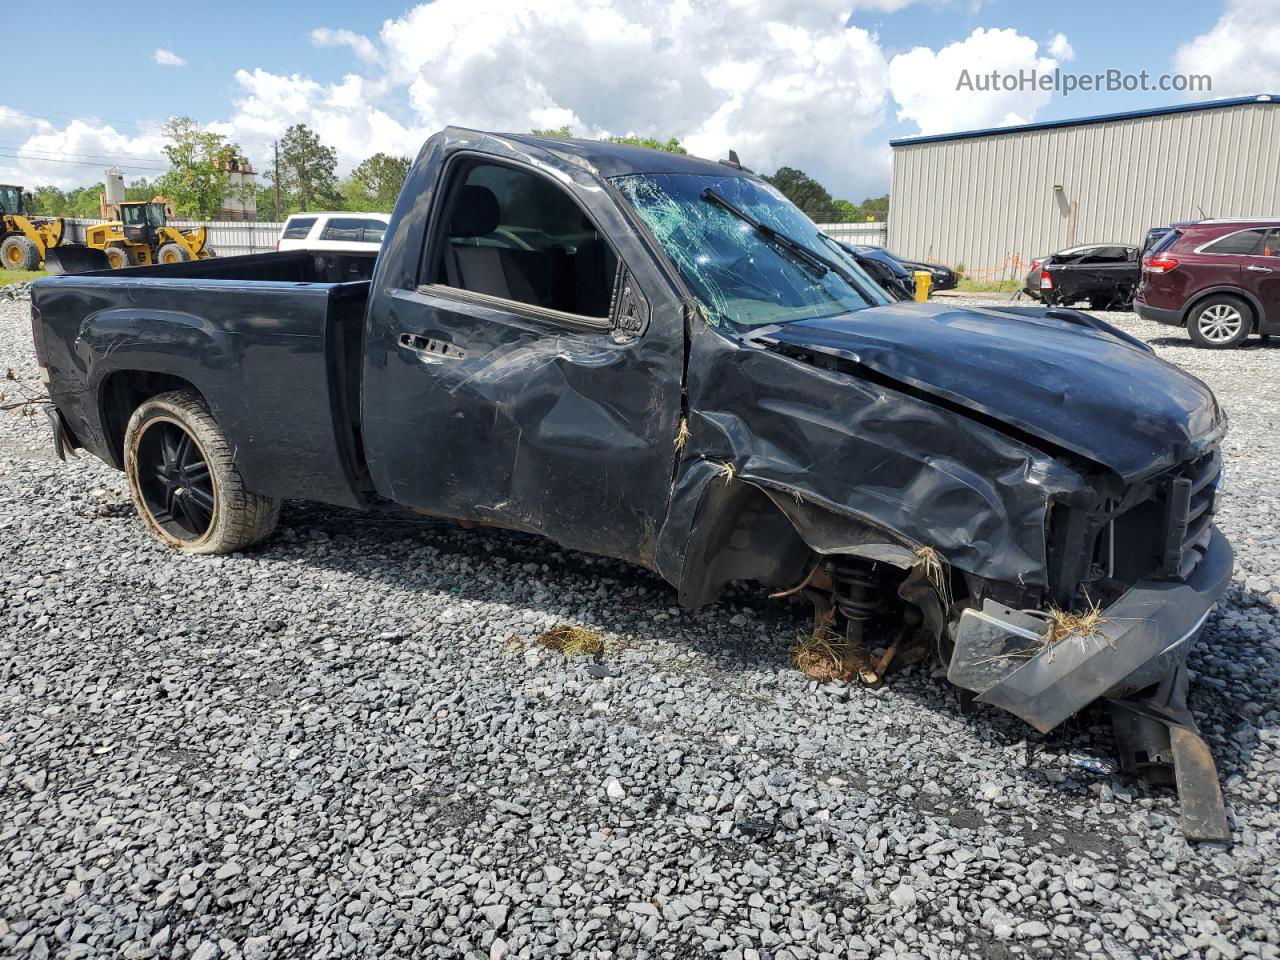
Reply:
x=1078, y=386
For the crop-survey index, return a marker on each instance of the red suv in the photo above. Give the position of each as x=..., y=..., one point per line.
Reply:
x=1218, y=278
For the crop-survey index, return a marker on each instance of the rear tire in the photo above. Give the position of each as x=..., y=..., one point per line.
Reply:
x=19, y=253
x=184, y=480
x=118, y=258
x=1220, y=322
x=172, y=253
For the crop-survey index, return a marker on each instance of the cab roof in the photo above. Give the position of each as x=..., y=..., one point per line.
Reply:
x=614, y=159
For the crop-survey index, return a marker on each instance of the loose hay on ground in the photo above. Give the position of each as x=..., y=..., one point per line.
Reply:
x=572, y=641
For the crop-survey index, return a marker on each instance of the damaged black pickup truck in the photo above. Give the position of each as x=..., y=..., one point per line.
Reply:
x=660, y=359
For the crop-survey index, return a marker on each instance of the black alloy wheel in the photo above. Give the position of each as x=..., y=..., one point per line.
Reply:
x=174, y=480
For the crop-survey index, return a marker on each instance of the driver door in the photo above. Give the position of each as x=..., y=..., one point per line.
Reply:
x=513, y=386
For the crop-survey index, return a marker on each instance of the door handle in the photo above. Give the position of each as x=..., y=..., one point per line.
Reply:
x=1258, y=269
x=431, y=349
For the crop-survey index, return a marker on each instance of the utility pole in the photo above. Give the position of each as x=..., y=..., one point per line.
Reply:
x=275, y=176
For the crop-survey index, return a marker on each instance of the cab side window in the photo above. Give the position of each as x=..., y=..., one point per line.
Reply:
x=518, y=236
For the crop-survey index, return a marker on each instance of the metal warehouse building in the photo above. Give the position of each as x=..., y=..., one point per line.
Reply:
x=994, y=199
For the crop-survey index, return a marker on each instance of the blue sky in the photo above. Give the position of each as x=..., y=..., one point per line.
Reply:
x=779, y=81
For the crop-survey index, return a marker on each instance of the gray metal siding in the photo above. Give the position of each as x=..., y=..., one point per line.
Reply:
x=988, y=202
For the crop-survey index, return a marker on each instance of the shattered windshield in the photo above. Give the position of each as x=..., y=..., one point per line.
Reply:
x=742, y=274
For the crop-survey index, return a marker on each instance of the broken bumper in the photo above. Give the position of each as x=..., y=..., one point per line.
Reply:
x=1135, y=659
x=1143, y=637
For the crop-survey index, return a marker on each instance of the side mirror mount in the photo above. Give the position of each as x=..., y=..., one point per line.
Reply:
x=631, y=316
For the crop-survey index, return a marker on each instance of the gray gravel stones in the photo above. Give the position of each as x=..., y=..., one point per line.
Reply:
x=325, y=748
x=15, y=291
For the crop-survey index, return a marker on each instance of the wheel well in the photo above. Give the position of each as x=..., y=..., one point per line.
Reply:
x=740, y=535
x=122, y=393
x=1255, y=314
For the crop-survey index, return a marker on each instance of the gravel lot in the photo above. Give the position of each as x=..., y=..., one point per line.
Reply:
x=328, y=747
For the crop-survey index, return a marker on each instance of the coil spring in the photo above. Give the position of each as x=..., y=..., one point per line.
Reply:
x=857, y=593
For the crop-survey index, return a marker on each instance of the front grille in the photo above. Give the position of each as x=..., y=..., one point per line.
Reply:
x=1165, y=536
x=1191, y=496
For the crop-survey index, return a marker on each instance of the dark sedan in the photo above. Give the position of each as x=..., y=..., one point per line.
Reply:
x=885, y=269
x=944, y=278
x=1101, y=274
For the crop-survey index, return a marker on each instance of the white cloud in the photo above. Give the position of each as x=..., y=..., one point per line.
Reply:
x=343, y=115
x=1241, y=52
x=11, y=118
x=79, y=152
x=362, y=46
x=924, y=82
x=1060, y=48
x=780, y=82
x=167, y=58
x=777, y=81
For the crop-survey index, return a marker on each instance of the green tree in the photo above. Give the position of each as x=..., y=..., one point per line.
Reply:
x=845, y=211
x=142, y=190
x=379, y=179
x=876, y=208
x=671, y=144
x=806, y=193
x=308, y=169
x=46, y=201
x=353, y=196
x=197, y=183
x=265, y=197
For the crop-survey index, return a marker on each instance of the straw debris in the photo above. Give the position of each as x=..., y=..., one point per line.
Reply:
x=935, y=571
x=683, y=434
x=827, y=657
x=1066, y=625
x=572, y=641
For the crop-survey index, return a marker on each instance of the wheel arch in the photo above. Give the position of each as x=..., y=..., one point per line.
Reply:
x=738, y=533
x=1224, y=290
x=121, y=392
x=744, y=531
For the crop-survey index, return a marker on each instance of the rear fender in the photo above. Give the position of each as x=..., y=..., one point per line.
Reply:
x=166, y=342
x=1259, y=314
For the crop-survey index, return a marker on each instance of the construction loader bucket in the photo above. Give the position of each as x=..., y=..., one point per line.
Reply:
x=74, y=259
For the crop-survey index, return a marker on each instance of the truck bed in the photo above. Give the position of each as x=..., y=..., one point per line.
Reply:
x=271, y=341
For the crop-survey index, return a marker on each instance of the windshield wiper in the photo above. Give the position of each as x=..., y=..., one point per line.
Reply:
x=820, y=265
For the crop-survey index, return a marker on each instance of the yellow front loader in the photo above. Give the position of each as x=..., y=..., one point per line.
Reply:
x=139, y=233
x=25, y=241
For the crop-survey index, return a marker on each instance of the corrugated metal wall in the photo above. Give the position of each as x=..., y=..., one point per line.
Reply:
x=988, y=202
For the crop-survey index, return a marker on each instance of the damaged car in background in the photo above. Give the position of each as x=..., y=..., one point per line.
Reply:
x=660, y=359
x=1103, y=275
